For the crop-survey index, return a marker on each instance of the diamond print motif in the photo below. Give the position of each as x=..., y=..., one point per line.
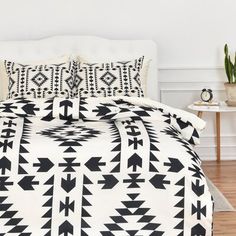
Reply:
x=77, y=80
x=70, y=135
x=137, y=79
x=108, y=78
x=11, y=83
x=69, y=82
x=39, y=79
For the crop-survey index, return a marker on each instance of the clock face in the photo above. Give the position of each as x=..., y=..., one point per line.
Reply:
x=206, y=96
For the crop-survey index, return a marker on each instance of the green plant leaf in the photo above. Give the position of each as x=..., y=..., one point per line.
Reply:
x=231, y=70
x=234, y=68
x=226, y=49
x=227, y=68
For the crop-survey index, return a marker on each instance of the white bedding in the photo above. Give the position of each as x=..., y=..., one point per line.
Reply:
x=126, y=167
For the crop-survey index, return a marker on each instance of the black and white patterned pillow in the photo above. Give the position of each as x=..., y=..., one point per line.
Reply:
x=40, y=81
x=108, y=79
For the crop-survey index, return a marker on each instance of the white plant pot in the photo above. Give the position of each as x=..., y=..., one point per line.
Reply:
x=231, y=94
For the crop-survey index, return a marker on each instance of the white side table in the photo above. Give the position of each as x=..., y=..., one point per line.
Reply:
x=217, y=109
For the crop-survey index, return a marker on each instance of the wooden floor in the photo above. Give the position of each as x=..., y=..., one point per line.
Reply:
x=223, y=175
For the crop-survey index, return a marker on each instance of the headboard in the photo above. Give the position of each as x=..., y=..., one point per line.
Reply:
x=89, y=48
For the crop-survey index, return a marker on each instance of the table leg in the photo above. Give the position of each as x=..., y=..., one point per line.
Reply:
x=218, y=136
x=199, y=114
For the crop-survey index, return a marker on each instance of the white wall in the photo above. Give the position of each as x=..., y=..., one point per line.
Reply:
x=189, y=32
x=190, y=36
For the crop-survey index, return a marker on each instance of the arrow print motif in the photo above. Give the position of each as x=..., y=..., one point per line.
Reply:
x=4, y=183
x=68, y=184
x=175, y=165
x=27, y=183
x=197, y=188
x=66, y=228
x=198, y=230
x=44, y=165
x=109, y=181
x=94, y=164
x=135, y=161
x=5, y=164
x=30, y=109
x=158, y=181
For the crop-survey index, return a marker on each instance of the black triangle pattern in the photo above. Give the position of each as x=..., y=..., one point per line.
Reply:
x=181, y=125
x=173, y=133
x=23, y=150
x=133, y=207
x=13, y=220
x=77, y=135
x=189, y=149
x=85, y=203
x=48, y=204
x=153, y=138
x=49, y=108
x=117, y=149
x=82, y=108
x=180, y=204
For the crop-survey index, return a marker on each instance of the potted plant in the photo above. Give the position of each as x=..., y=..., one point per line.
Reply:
x=230, y=86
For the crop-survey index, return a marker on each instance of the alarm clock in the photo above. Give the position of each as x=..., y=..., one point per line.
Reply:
x=206, y=95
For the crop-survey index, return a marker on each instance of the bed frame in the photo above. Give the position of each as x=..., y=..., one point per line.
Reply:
x=90, y=48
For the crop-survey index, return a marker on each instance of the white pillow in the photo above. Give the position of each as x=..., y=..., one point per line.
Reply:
x=143, y=71
x=4, y=81
x=114, y=78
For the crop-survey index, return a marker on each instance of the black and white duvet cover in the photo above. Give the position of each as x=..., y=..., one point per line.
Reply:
x=100, y=166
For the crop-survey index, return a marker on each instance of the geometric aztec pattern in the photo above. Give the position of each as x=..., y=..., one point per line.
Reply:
x=108, y=79
x=40, y=81
x=109, y=173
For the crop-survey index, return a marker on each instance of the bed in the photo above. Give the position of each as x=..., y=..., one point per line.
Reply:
x=95, y=165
